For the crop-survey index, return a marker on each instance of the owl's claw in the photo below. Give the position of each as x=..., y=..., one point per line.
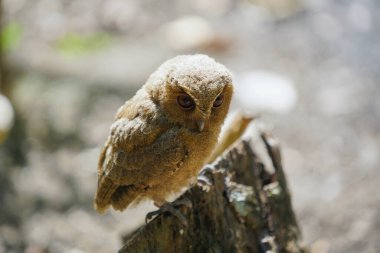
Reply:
x=171, y=207
x=204, y=181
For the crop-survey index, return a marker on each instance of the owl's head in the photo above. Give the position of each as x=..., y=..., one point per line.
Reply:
x=193, y=91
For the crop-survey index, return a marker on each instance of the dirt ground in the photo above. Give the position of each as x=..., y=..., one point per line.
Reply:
x=311, y=68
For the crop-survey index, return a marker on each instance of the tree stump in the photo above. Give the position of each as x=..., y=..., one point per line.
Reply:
x=244, y=207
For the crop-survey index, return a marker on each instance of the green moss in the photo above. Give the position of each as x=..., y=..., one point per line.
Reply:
x=243, y=199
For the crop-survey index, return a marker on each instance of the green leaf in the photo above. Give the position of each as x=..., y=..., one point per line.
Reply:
x=76, y=44
x=10, y=36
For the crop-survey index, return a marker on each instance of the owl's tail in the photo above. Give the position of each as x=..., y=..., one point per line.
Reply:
x=124, y=196
x=103, y=195
x=111, y=193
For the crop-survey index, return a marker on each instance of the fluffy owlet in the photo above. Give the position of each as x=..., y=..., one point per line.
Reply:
x=163, y=135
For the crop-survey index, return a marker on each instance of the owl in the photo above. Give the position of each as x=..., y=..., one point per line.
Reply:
x=164, y=134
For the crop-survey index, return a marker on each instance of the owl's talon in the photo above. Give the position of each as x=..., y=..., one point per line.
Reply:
x=204, y=183
x=170, y=207
x=182, y=202
x=150, y=215
x=208, y=169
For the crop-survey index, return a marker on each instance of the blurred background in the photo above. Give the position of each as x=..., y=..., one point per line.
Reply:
x=311, y=68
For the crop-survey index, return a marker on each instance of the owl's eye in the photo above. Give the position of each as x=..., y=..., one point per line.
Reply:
x=186, y=102
x=218, y=101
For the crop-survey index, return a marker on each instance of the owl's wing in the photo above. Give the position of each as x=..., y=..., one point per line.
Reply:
x=135, y=151
x=125, y=134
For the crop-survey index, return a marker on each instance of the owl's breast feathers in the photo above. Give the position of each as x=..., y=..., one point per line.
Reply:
x=142, y=152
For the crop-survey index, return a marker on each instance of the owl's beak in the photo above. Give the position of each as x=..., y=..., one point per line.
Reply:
x=201, y=124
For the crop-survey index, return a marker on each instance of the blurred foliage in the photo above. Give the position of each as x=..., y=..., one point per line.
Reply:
x=10, y=36
x=78, y=44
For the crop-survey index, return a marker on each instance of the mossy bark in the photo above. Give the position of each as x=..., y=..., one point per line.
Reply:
x=244, y=208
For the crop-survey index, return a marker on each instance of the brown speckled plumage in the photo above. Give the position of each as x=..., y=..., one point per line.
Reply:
x=155, y=146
